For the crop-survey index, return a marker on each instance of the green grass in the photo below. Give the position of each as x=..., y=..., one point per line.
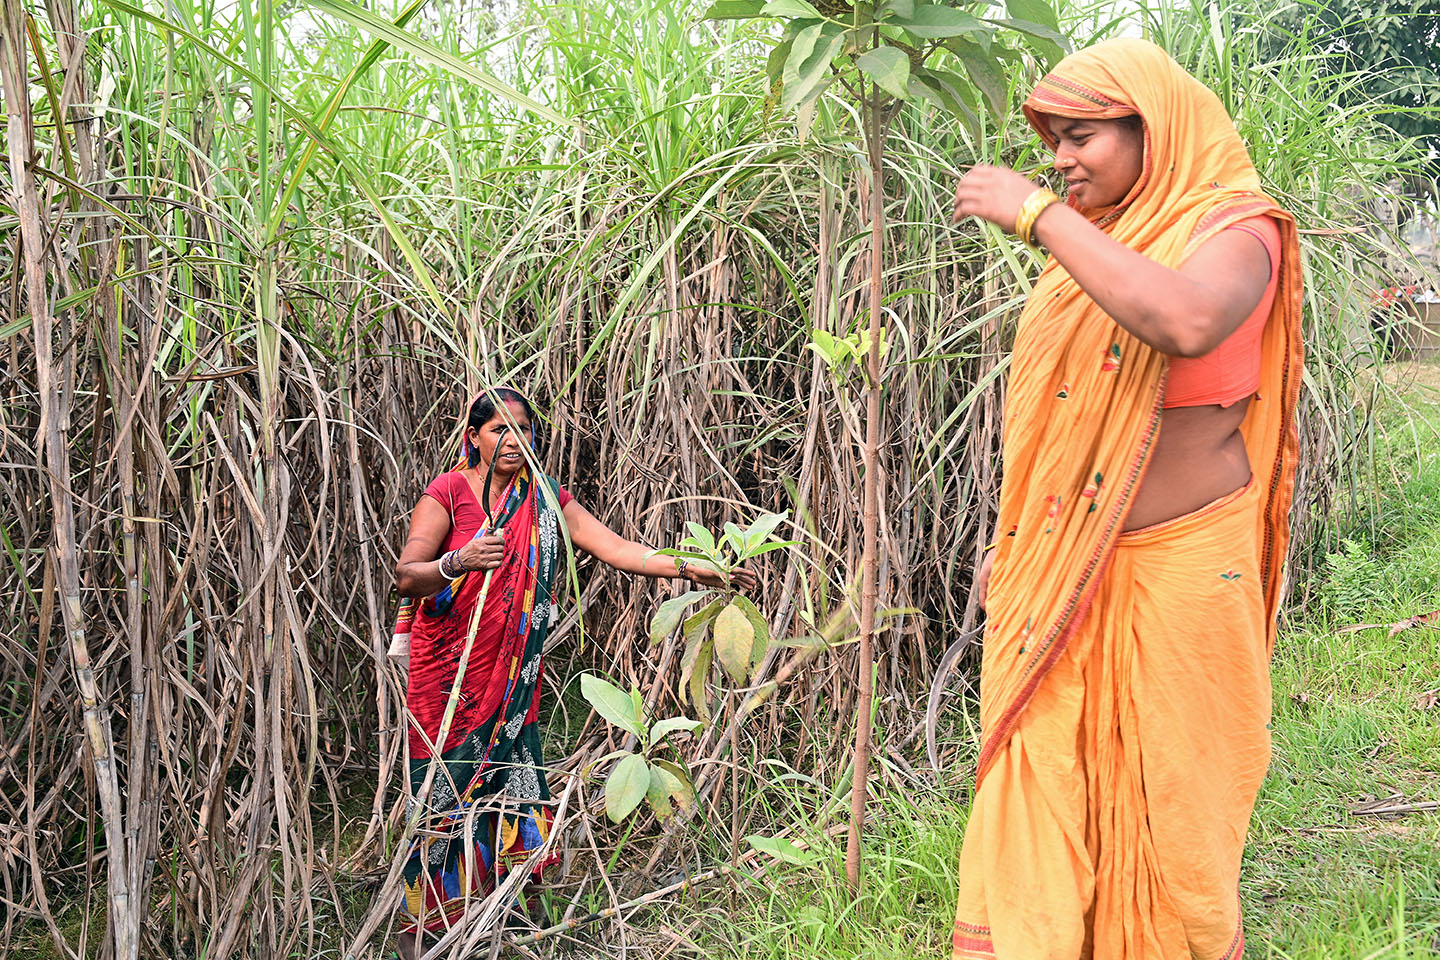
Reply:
x=1355, y=718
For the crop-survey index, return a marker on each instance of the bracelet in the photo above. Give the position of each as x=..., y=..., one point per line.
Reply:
x=680, y=566
x=446, y=569
x=1030, y=211
x=990, y=546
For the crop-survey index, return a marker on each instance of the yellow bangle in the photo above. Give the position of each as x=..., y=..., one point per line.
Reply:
x=991, y=546
x=1030, y=211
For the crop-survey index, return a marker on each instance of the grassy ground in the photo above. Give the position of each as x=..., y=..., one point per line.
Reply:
x=1356, y=719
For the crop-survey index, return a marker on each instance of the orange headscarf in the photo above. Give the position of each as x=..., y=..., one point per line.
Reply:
x=1085, y=396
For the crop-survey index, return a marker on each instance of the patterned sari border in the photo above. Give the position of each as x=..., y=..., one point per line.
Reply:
x=1078, y=607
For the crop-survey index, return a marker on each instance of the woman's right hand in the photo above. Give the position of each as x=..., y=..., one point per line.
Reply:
x=982, y=578
x=483, y=553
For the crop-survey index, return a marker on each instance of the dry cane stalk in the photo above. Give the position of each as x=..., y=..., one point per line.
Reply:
x=123, y=910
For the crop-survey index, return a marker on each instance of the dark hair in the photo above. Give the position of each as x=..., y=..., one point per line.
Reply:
x=483, y=410
x=1131, y=121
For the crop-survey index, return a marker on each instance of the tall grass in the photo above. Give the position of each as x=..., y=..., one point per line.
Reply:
x=266, y=262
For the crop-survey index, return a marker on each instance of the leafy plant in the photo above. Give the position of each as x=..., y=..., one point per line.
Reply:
x=1351, y=579
x=640, y=775
x=885, y=54
x=728, y=629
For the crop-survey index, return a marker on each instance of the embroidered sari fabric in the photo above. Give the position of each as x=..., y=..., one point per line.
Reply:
x=1094, y=638
x=487, y=808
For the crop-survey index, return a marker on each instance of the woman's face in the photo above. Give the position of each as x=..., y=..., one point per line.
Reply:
x=1100, y=159
x=496, y=439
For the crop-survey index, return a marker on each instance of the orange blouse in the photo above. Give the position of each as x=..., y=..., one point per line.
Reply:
x=1230, y=372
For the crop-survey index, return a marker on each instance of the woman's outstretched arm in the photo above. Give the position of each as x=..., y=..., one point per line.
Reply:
x=1184, y=313
x=607, y=546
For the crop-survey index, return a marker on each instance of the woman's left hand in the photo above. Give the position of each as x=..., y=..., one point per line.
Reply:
x=741, y=578
x=992, y=193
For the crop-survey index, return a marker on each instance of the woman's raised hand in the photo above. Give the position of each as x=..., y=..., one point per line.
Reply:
x=992, y=193
x=483, y=553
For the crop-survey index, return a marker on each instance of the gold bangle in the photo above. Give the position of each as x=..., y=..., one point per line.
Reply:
x=990, y=546
x=1030, y=211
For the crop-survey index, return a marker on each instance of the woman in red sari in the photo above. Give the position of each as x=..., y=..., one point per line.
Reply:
x=483, y=553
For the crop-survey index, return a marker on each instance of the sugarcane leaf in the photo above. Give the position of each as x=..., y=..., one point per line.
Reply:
x=626, y=787
x=383, y=29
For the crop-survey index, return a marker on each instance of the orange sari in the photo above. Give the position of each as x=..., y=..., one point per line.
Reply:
x=1124, y=682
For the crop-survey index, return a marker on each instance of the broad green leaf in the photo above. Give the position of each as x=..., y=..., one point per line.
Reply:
x=682, y=790
x=702, y=536
x=758, y=624
x=734, y=9
x=671, y=724
x=764, y=524
x=699, y=673
x=789, y=9
x=699, y=621
x=611, y=702
x=669, y=614
x=734, y=536
x=898, y=8
x=775, y=62
x=1036, y=11
x=803, y=74
x=781, y=849
x=1031, y=28
x=933, y=22
x=638, y=702
x=889, y=67
x=658, y=792
x=687, y=663
x=1034, y=36
x=952, y=92
x=626, y=787
x=985, y=72
x=768, y=547
x=734, y=641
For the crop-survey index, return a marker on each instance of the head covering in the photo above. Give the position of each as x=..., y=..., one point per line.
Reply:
x=1084, y=396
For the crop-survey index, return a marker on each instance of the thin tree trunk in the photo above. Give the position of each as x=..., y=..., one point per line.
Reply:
x=870, y=562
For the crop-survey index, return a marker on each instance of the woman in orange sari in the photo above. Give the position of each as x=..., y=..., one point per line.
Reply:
x=1149, y=456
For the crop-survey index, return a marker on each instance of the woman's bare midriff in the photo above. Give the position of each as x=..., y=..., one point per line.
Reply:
x=1199, y=456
